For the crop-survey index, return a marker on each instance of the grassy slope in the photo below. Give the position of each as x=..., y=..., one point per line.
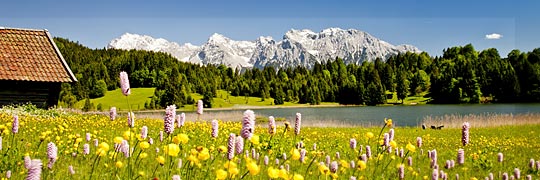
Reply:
x=411, y=100
x=141, y=95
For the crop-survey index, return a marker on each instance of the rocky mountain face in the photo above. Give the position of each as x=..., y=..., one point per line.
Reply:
x=298, y=47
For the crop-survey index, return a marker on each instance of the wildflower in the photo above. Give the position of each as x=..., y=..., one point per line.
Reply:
x=0, y=143
x=386, y=140
x=161, y=136
x=505, y=176
x=176, y=177
x=143, y=155
x=221, y=174
x=248, y=124
x=168, y=121
x=239, y=143
x=352, y=143
x=271, y=125
x=214, y=128
x=171, y=150
x=528, y=177
x=86, y=149
x=119, y=164
x=283, y=174
x=160, y=160
x=298, y=177
x=15, y=125
x=34, y=172
x=410, y=147
x=465, y=133
x=391, y=134
x=368, y=151
x=112, y=113
x=233, y=171
x=295, y=154
x=461, y=157
x=52, y=154
x=273, y=173
x=401, y=171
x=8, y=174
x=369, y=135
x=531, y=164
x=314, y=146
x=393, y=144
x=419, y=142
x=302, y=155
x=435, y=174
x=131, y=119
x=352, y=178
x=337, y=155
x=333, y=166
x=409, y=161
x=203, y=154
x=500, y=157
x=490, y=176
x=388, y=122
x=297, y=123
x=71, y=170
x=102, y=149
x=144, y=132
x=433, y=157
x=253, y=168
x=230, y=146
x=180, y=120
x=124, y=83
x=517, y=173
x=88, y=137
x=352, y=164
x=180, y=138
x=287, y=125
x=200, y=106
x=323, y=169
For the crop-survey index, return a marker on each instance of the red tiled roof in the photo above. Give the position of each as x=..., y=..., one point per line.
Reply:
x=31, y=55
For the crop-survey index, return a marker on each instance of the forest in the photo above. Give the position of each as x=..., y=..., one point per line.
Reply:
x=461, y=75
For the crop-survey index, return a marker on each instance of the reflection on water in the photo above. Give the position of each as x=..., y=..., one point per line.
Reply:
x=366, y=115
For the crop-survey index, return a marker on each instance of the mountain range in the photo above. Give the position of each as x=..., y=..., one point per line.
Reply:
x=298, y=47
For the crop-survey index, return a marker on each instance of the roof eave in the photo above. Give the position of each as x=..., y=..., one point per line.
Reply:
x=66, y=66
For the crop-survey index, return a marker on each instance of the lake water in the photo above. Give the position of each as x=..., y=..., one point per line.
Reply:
x=402, y=115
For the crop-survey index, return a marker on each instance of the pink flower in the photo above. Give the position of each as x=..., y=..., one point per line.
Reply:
x=161, y=136
x=86, y=149
x=52, y=154
x=124, y=83
x=131, y=119
x=27, y=162
x=461, y=157
x=180, y=120
x=419, y=142
x=266, y=160
x=333, y=166
x=112, y=113
x=34, y=172
x=368, y=151
x=435, y=174
x=297, y=123
x=215, y=128
x=401, y=171
x=391, y=134
x=500, y=157
x=302, y=155
x=352, y=143
x=71, y=170
x=168, y=121
x=200, y=106
x=239, y=144
x=15, y=127
x=271, y=125
x=144, y=132
x=248, y=124
x=230, y=146
x=465, y=133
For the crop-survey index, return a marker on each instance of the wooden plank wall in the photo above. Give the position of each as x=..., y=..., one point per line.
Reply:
x=41, y=94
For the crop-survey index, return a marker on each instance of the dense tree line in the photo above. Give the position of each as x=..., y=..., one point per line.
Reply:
x=460, y=75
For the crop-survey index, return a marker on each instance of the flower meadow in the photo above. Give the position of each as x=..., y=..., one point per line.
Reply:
x=52, y=144
x=75, y=146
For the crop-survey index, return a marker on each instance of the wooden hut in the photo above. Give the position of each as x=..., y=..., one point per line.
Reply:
x=31, y=68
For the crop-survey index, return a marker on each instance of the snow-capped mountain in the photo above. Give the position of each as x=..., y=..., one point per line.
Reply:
x=298, y=47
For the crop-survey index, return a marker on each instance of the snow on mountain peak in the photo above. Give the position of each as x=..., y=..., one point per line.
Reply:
x=298, y=47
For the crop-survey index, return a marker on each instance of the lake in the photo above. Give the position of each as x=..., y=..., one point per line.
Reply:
x=402, y=115
x=363, y=115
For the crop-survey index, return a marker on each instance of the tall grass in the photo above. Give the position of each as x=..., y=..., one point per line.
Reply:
x=482, y=120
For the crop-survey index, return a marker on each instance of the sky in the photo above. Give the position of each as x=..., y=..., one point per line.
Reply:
x=429, y=25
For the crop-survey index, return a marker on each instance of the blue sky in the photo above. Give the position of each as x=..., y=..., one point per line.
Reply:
x=429, y=25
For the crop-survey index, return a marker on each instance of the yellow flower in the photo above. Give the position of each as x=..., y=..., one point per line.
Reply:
x=222, y=149
x=221, y=174
x=334, y=176
x=369, y=135
x=127, y=135
x=160, y=160
x=181, y=138
x=361, y=165
x=323, y=169
x=233, y=171
x=229, y=164
x=141, y=173
x=254, y=139
x=344, y=164
x=411, y=147
x=273, y=173
x=171, y=150
x=118, y=140
x=204, y=154
x=298, y=177
x=393, y=144
x=78, y=140
x=253, y=168
x=104, y=146
x=193, y=159
x=295, y=154
x=144, y=145
x=283, y=174
x=388, y=122
x=143, y=155
x=119, y=164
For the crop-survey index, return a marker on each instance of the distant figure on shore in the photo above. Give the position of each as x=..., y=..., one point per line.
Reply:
x=437, y=127
x=424, y=126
